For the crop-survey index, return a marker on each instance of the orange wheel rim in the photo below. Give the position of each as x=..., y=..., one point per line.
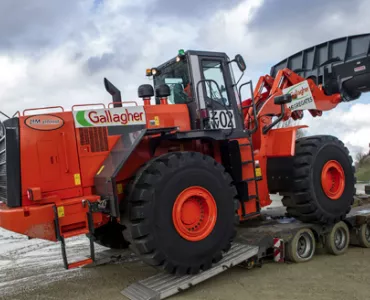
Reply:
x=194, y=213
x=333, y=179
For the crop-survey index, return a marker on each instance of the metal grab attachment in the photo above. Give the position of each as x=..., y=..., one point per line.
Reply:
x=61, y=238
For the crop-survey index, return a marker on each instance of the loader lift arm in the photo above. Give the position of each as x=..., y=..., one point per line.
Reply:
x=336, y=71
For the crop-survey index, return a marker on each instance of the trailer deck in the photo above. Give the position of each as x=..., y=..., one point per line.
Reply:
x=256, y=242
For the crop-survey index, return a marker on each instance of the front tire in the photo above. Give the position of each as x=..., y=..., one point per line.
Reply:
x=323, y=185
x=182, y=212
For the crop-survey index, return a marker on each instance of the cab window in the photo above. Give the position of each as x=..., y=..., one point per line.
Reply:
x=176, y=76
x=212, y=70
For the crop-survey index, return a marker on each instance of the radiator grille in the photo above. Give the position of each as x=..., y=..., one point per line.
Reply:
x=95, y=137
x=10, y=179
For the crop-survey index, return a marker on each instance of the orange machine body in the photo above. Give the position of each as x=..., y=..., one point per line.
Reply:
x=58, y=164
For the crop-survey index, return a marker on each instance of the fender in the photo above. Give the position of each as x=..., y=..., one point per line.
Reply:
x=279, y=154
x=281, y=142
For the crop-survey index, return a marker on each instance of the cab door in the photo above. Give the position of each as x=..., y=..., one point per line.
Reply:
x=215, y=90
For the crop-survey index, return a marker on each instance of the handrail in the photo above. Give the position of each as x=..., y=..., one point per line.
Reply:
x=17, y=113
x=88, y=104
x=41, y=108
x=112, y=103
x=4, y=114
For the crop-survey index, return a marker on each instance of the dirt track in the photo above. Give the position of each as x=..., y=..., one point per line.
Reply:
x=325, y=277
x=32, y=269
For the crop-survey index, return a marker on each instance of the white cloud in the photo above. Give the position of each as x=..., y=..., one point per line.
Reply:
x=350, y=123
x=65, y=64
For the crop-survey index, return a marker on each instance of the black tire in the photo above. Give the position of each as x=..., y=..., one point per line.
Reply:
x=110, y=235
x=363, y=235
x=367, y=189
x=301, y=248
x=150, y=228
x=337, y=240
x=308, y=201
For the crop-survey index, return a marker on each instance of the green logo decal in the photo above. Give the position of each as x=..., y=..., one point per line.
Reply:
x=80, y=118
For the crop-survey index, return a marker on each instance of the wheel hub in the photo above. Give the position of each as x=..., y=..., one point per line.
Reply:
x=304, y=246
x=340, y=238
x=194, y=213
x=333, y=179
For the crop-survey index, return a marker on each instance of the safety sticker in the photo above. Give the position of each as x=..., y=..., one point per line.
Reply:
x=119, y=189
x=100, y=170
x=77, y=178
x=301, y=96
x=61, y=212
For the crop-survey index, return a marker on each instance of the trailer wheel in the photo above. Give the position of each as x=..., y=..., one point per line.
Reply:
x=323, y=185
x=182, y=212
x=337, y=240
x=363, y=235
x=110, y=235
x=302, y=247
x=367, y=189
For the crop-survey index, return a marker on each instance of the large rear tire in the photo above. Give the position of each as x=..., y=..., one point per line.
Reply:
x=323, y=186
x=182, y=210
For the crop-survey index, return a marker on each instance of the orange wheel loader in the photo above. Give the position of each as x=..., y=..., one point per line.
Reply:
x=173, y=177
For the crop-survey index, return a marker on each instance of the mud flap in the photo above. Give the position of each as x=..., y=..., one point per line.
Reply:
x=105, y=178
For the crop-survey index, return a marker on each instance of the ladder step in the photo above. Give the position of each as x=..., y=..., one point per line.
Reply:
x=80, y=263
x=247, y=162
x=245, y=145
x=253, y=179
x=61, y=238
x=251, y=197
x=163, y=285
x=73, y=233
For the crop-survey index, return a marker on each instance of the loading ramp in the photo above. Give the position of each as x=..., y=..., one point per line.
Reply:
x=164, y=285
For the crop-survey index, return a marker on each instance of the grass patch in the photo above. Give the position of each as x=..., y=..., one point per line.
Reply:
x=363, y=172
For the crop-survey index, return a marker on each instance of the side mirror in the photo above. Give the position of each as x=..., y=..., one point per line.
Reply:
x=283, y=99
x=240, y=62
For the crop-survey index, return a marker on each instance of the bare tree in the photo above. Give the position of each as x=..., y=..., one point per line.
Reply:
x=360, y=159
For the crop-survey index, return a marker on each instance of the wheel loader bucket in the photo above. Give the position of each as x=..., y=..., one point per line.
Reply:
x=341, y=65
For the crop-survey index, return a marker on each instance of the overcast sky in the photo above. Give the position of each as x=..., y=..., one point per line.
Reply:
x=58, y=52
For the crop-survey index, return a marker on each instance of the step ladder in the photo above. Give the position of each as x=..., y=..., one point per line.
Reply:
x=89, y=232
x=249, y=174
x=164, y=285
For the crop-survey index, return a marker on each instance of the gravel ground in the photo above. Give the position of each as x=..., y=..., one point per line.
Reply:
x=32, y=269
x=325, y=277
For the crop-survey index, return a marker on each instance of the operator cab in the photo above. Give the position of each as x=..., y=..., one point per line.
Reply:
x=204, y=81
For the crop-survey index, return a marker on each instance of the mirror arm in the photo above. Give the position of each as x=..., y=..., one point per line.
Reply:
x=241, y=76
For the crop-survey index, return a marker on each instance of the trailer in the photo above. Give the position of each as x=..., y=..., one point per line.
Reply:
x=272, y=237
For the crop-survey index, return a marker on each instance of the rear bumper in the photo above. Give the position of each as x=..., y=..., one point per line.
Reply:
x=38, y=221
x=34, y=221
